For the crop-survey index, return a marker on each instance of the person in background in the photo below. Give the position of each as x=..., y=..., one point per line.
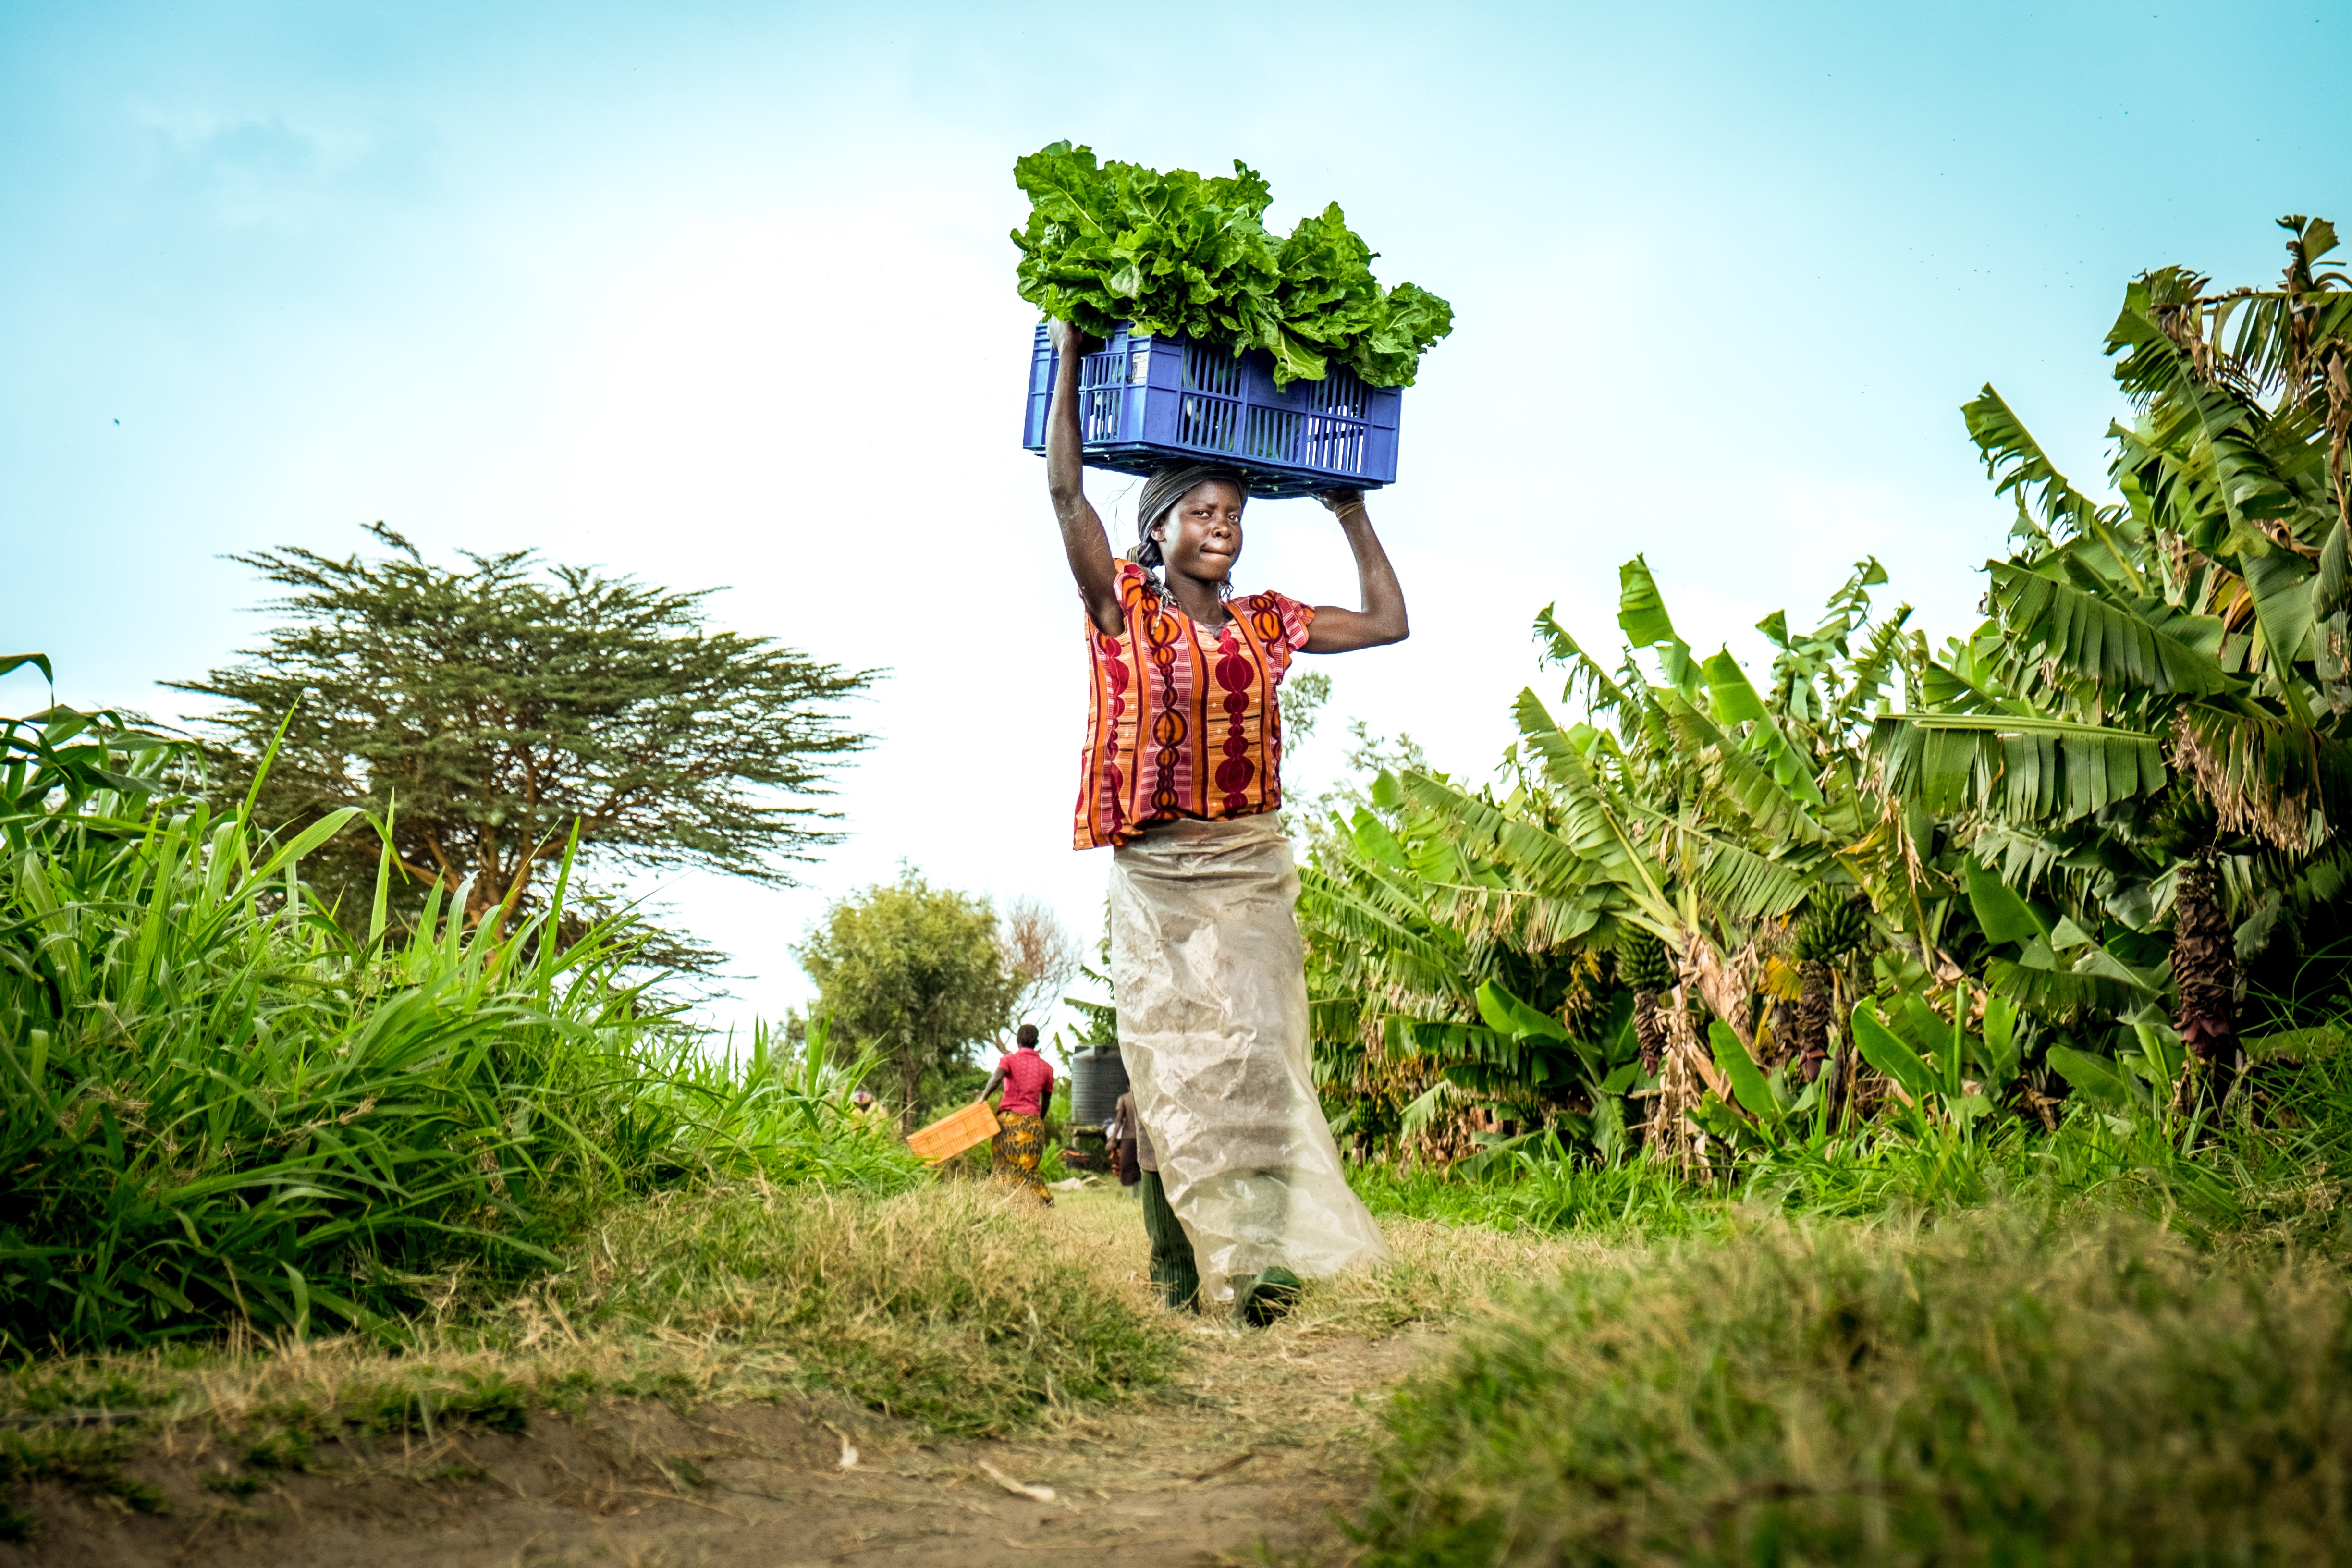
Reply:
x=1173, y=1268
x=1027, y=1079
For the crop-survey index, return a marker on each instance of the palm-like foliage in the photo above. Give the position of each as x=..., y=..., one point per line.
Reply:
x=2154, y=726
x=1471, y=932
x=2162, y=683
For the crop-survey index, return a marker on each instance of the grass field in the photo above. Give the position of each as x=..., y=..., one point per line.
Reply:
x=290, y=1193
x=1999, y=1388
x=2048, y=1377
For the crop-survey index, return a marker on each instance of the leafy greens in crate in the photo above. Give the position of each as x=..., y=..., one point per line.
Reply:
x=1180, y=253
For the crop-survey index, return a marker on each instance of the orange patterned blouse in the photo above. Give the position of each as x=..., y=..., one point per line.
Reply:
x=1183, y=721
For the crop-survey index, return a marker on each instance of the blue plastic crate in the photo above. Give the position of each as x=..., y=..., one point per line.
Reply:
x=1146, y=401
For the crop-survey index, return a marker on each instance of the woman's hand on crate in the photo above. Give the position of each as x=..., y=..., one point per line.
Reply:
x=1339, y=501
x=1069, y=341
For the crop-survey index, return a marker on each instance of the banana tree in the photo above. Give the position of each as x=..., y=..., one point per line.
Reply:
x=2152, y=727
x=1406, y=989
x=1679, y=829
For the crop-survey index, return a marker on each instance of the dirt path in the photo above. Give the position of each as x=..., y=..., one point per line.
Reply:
x=1262, y=1438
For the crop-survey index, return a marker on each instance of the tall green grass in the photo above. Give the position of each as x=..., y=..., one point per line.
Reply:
x=2010, y=1386
x=216, y=1103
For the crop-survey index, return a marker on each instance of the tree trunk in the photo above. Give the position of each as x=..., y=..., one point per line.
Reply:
x=909, y=1071
x=1814, y=1005
x=1681, y=1087
x=1649, y=1028
x=2205, y=968
x=1724, y=987
x=494, y=895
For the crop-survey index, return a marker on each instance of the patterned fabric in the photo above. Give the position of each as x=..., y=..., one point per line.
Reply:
x=1182, y=721
x=1020, y=1144
x=1027, y=1077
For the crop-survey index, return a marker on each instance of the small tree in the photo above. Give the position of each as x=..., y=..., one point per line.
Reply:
x=496, y=707
x=915, y=969
x=1034, y=944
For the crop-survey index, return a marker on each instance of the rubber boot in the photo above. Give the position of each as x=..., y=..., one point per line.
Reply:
x=1265, y=1297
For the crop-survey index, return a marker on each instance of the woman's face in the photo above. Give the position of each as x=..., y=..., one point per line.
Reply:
x=1202, y=538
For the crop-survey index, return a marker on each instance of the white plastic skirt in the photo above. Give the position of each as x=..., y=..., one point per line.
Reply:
x=1212, y=991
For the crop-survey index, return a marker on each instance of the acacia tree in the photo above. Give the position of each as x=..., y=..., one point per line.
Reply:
x=915, y=969
x=492, y=709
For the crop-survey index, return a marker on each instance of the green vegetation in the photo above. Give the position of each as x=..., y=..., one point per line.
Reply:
x=2272, y=1178
x=1998, y=1389
x=1952, y=1041
x=1178, y=253
x=1746, y=923
x=491, y=714
x=218, y=1103
x=918, y=970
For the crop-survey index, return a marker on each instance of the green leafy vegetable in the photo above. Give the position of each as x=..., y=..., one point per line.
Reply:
x=1181, y=253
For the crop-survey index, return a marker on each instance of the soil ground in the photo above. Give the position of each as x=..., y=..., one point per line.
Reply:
x=1257, y=1448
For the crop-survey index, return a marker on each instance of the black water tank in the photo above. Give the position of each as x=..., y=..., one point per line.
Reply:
x=1098, y=1077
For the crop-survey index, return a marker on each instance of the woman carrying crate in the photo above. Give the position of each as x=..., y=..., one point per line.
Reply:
x=1027, y=1079
x=1181, y=777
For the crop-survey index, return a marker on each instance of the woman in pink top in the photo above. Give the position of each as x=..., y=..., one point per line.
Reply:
x=1027, y=1079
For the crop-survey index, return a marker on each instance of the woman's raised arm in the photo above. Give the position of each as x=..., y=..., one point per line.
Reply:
x=1382, y=620
x=1083, y=539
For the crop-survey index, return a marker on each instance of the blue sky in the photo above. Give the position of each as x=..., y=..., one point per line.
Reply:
x=722, y=296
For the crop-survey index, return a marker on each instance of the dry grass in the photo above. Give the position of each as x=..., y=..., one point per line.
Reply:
x=751, y=1295
x=960, y=1306
x=940, y=1306
x=1442, y=1271
x=1446, y=1272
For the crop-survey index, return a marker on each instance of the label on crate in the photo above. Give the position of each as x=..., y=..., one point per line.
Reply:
x=1139, y=367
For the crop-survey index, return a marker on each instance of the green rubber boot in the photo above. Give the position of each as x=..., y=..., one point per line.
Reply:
x=1265, y=1298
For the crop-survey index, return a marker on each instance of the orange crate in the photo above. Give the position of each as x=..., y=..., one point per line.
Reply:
x=952, y=1135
